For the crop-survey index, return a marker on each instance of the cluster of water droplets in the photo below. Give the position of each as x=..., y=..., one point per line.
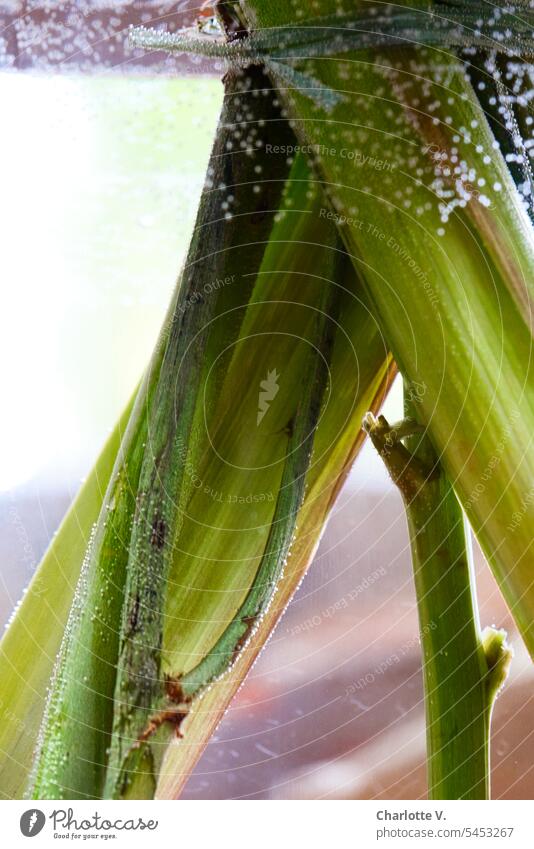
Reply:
x=87, y=35
x=451, y=154
x=247, y=135
x=506, y=90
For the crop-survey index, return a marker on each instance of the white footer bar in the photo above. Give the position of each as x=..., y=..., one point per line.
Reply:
x=267, y=825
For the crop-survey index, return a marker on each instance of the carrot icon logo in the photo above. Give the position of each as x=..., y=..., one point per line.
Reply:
x=268, y=392
x=32, y=822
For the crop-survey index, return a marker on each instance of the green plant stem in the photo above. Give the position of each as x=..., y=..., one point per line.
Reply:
x=124, y=578
x=459, y=679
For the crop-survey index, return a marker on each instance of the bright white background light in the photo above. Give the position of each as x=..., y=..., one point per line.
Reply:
x=99, y=188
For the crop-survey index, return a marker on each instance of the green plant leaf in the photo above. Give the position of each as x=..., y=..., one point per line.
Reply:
x=229, y=521
x=32, y=641
x=432, y=219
